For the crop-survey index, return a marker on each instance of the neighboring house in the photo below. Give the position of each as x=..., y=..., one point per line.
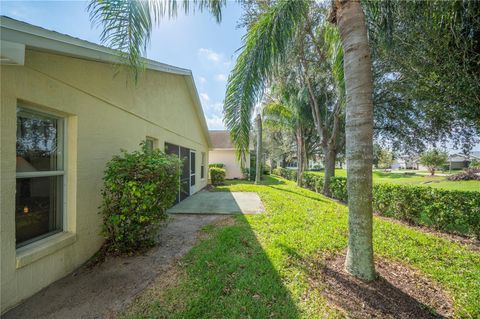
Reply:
x=406, y=162
x=65, y=111
x=223, y=151
x=460, y=161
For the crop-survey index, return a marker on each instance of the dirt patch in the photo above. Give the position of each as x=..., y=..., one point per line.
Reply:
x=399, y=292
x=107, y=288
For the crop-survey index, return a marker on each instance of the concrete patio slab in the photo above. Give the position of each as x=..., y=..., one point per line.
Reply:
x=220, y=203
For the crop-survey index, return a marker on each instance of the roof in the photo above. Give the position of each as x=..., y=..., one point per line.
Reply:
x=17, y=35
x=458, y=157
x=221, y=140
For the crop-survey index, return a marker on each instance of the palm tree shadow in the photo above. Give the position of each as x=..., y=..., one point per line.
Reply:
x=229, y=275
x=379, y=299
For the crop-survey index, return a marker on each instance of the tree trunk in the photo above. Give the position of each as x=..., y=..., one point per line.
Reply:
x=329, y=166
x=300, y=155
x=350, y=20
x=258, y=167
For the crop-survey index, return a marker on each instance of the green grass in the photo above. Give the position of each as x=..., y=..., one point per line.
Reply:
x=259, y=267
x=419, y=180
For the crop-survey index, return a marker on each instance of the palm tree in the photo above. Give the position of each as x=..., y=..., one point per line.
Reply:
x=265, y=47
x=349, y=17
x=290, y=111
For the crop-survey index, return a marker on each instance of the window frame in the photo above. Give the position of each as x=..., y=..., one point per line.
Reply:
x=202, y=166
x=63, y=137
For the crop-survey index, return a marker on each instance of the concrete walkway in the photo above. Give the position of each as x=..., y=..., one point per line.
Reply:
x=219, y=203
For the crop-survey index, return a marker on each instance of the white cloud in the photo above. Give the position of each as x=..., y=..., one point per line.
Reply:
x=215, y=123
x=210, y=55
x=221, y=77
x=204, y=97
x=202, y=80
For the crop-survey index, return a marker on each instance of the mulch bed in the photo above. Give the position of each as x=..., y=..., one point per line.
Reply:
x=399, y=292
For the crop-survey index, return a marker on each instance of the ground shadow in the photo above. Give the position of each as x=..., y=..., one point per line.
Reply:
x=227, y=275
x=398, y=292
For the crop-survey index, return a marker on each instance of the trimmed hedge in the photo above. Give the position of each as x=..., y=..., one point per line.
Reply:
x=217, y=175
x=217, y=165
x=138, y=189
x=451, y=211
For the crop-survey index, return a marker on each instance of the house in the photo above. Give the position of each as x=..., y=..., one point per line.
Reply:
x=65, y=111
x=461, y=161
x=406, y=162
x=224, y=152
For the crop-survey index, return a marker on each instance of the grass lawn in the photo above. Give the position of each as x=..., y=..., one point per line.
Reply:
x=419, y=180
x=262, y=266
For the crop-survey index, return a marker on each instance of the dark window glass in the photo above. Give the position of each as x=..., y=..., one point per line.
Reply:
x=38, y=145
x=37, y=207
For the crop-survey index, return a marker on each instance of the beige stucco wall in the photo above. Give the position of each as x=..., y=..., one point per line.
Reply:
x=104, y=113
x=229, y=159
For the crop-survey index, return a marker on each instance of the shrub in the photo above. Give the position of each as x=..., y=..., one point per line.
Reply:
x=217, y=175
x=452, y=211
x=475, y=164
x=472, y=174
x=249, y=173
x=218, y=165
x=138, y=189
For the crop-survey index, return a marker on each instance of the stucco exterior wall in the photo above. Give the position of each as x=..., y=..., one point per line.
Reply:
x=104, y=112
x=229, y=159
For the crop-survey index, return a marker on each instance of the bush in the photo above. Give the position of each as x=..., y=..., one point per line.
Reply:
x=266, y=169
x=217, y=165
x=217, y=175
x=249, y=173
x=138, y=189
x=452, y=211
x=472, y=174
x=475, y=164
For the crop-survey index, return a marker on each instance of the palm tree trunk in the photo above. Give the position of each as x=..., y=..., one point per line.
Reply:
x=300, y=155
x=350, y=20
x=258, y=167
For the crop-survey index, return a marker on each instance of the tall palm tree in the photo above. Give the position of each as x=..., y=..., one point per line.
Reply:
x=350, y=20
x=265, y=46
x=290, y=111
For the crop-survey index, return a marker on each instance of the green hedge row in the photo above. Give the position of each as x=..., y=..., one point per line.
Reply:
x=452, y=211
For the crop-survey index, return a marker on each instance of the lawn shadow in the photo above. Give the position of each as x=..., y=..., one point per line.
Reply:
x=227, y=275
x=399, y=292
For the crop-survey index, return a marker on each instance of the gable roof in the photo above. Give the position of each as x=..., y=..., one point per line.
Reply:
x=221, y=140
x=17, y=35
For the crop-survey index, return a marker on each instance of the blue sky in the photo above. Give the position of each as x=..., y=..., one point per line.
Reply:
x=196, y=42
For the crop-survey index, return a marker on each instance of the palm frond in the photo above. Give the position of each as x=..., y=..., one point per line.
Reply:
x=264, y=46
x=127, y=24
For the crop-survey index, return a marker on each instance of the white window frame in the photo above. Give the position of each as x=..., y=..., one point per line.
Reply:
x=153, y=140
x=62, y=135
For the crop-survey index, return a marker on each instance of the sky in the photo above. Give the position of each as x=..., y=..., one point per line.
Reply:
x=196, y=42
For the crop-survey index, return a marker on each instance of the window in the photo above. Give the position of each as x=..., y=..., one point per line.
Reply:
x=150, y=143
x=202, y=168
x=40, y=175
